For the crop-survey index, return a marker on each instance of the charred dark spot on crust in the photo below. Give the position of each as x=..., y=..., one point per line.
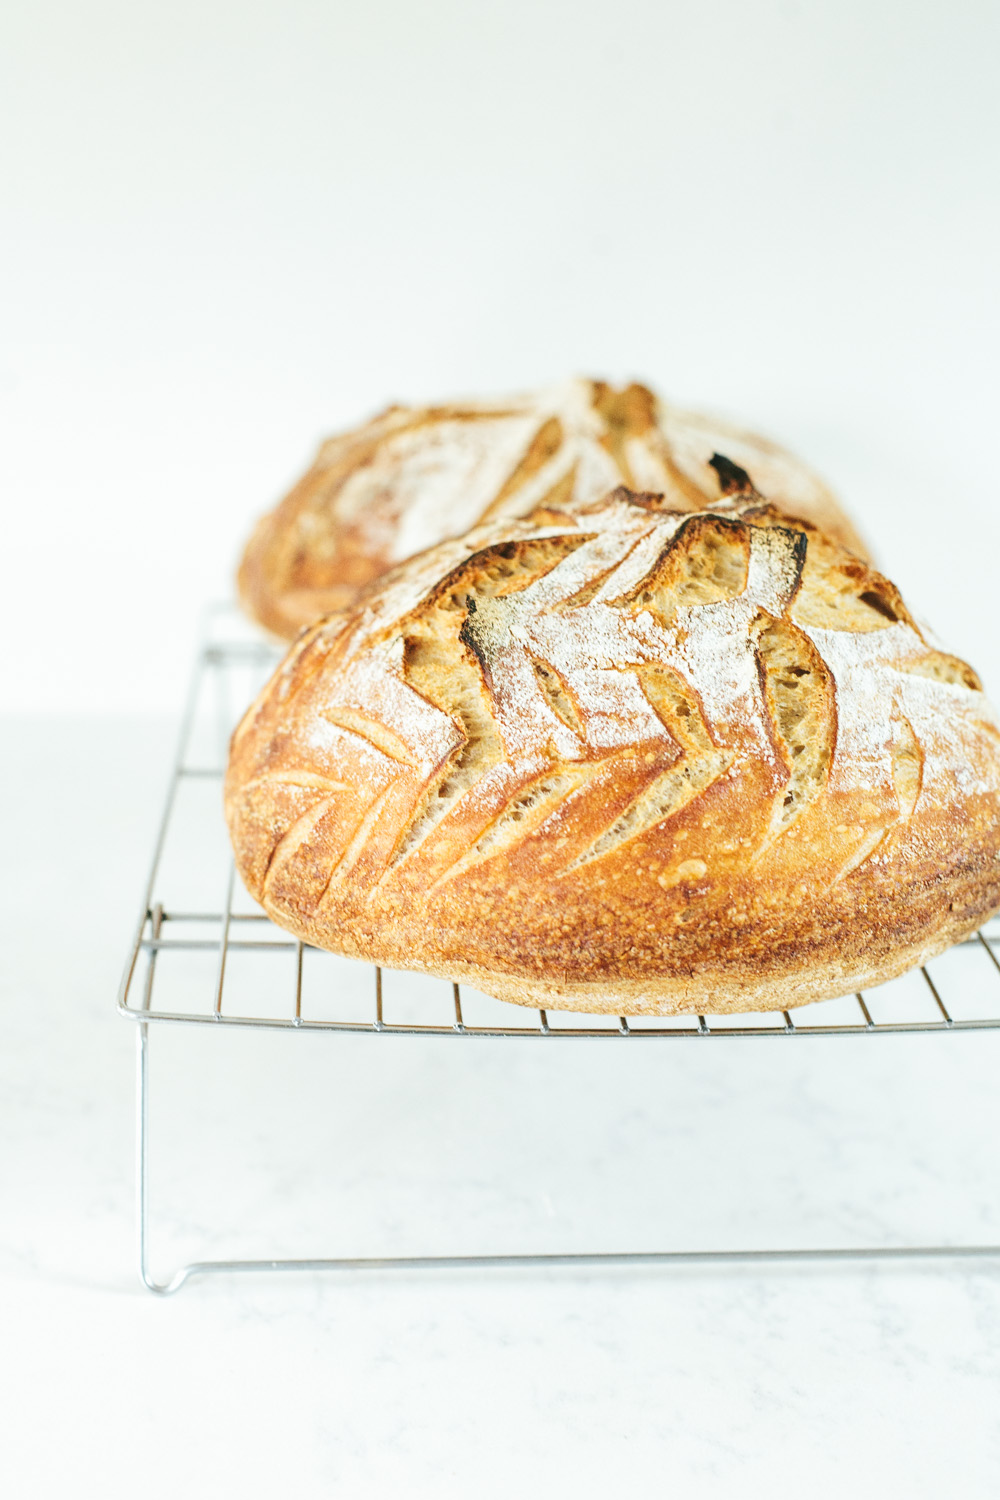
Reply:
x=800, y=548
x=467, y=636
x=732, y=479
x=880, y=604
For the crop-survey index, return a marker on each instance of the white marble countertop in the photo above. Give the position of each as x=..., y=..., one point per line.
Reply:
x=827, y=1380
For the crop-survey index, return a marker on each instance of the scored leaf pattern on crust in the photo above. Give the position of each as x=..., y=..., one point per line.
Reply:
x=654, y=655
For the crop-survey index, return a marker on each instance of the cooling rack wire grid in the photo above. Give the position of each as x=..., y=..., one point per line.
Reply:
x=204, y=953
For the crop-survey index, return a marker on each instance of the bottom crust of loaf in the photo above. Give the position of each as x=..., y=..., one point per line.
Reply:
x=676, y=995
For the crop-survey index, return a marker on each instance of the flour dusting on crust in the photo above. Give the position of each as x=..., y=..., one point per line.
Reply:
x=631, y=740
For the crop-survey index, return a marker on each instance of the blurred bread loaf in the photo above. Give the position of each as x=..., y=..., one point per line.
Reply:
x=625, y=759
x=414, y=476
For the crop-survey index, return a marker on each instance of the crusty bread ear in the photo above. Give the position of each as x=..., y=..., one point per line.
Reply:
x=414, y=476
x=634, y=760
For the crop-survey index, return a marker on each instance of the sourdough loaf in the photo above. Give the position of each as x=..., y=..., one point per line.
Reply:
x=412, y=477
x=626, y=759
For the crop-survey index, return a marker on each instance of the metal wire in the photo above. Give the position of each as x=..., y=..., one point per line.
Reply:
x=220, y=663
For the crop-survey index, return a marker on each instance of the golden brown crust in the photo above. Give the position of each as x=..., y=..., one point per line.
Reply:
x=627, y=759
x=413, y=476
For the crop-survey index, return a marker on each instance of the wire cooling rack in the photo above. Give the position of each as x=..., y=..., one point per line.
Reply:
x=205, y=953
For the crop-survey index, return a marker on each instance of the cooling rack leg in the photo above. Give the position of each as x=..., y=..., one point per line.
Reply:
x=142, y=1152
x=142, y=1169
x=141, y=1125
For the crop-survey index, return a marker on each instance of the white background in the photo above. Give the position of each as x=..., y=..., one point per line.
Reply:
x=230, y=228
x=227, y=230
